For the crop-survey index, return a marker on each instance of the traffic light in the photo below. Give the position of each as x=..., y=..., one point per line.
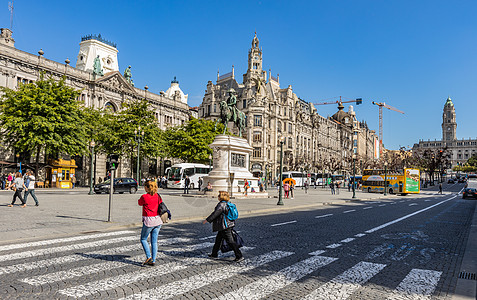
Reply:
x=359, y=101
x=113, y=160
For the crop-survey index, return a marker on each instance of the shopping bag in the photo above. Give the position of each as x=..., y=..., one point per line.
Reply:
x=225, y=247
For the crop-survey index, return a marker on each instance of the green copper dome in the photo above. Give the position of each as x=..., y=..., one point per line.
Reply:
x=449, y=102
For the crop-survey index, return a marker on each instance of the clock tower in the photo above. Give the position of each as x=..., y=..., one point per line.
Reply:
x=254, y=62
x=449, y=124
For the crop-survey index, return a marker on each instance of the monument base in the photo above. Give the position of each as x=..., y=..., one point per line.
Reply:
x=231, y=156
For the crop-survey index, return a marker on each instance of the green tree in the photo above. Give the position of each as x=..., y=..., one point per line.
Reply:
x=472, y=161
x=190, y=142
x=43, y=116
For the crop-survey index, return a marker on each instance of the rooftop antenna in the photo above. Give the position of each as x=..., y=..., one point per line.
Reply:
x=10, y=8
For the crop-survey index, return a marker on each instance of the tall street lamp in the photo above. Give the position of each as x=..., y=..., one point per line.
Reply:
x=92, y=144
x=280, y=201
x=354, y=175
x=385, y=177
x=138, y=137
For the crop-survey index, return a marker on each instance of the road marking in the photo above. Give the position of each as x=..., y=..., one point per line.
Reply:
x=198, y=281
x=418, y=284
x=402, y=201
x=342, y=286
x=360, y=235
x=382, y=205
x=279, y=224
x=333, y=246
x=348, y=211
x=328, y=215
x=207, y=237
x=405, y=217
x=369, y=207
x=77, y=257
x=427, y=200
x=39, y=252
x=317, y=252
x=109, y=265
x=412, y=204
x=272, y=283
x=347, y=240
x=63, y=240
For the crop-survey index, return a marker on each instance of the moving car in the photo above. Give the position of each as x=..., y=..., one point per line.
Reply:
x=469, y=192
x=121, y=185
x=450, y=180
x=461, y=180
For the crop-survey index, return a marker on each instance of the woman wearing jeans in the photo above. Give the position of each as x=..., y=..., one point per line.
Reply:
x=19, y=186
x=151, y=221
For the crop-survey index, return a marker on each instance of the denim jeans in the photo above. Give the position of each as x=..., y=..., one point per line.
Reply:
x=18, y=193
x=154, y=232
x=32, y=193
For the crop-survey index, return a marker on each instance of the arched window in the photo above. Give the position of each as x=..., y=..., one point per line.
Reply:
x=110, y=106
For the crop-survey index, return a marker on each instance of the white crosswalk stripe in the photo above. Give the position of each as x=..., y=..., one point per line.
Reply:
x=89, y=255
x=195, y=282
x=342, y=286
x=282, y=278
x=417, y=285
x=64, y=240
x=109, y=265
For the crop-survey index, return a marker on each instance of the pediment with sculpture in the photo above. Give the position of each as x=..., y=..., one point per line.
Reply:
x=116, y=81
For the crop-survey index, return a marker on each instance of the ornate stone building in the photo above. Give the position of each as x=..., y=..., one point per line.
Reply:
x=460, y=150
x=109, y=90
x=311, y=142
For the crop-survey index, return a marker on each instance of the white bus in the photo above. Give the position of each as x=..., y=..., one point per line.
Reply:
x=178, y=172
x=299, y=177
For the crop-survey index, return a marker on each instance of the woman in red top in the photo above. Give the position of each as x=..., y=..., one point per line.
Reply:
x=151, y=221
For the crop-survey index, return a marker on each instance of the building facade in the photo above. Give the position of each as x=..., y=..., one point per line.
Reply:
x=460, y=150
x=311, y=142
x=106, y=90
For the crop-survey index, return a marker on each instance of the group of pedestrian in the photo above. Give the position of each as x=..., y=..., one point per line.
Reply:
x=335, y=188
x=152, y=219
x=20, y=183
x=288, y=188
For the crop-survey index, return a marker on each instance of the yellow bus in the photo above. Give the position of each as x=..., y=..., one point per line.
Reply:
x=404, y=181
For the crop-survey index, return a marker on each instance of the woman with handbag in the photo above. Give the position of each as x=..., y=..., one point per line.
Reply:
x=223, y=226
x=151, y=220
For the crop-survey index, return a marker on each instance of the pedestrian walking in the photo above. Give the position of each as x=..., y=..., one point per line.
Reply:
x=306, y=186
x=286, y=188
x=18, y=185
x=337, y=188
x=9, y=179
x=151, y=221
x=73, y=180
x=223, y=226
x=201, y=181
x=30, y=184
x=292, y=187
x=316, y=182
x=186, y=185
x=440, y=188
x=246, y=185
x=3, y=178
x=332, y=187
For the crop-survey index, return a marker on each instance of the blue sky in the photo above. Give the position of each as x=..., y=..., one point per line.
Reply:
x=410, y=54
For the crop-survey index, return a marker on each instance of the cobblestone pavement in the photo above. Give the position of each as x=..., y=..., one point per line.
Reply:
x=393, y=248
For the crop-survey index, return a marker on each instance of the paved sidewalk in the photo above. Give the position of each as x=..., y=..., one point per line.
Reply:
x=70, y=212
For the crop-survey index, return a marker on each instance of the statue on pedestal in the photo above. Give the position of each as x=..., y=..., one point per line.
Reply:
x=230, y=113
x=128, y=75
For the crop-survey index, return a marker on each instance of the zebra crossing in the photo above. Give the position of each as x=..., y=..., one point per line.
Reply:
x=108, y=266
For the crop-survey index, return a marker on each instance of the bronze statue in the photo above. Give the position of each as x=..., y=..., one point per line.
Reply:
x=230, y=113
x=97, y=66
x=128, y=75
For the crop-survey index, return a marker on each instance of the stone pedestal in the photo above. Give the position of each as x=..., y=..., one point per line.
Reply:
x=231, y=157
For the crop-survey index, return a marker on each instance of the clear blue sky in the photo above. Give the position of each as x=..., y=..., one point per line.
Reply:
x=410, y=54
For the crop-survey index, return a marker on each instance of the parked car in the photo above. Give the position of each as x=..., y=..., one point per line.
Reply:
x=450, y=180
x=121, y=185
x=469, y=192
x=461, y=180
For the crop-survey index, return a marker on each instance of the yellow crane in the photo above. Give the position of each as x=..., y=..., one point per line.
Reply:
x=381, y=105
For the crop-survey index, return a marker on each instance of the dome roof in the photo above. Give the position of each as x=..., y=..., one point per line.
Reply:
x=449, y=102
x=342, y=116
x=175, y=88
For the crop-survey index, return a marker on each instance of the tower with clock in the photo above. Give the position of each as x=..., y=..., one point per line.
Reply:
x=254, y=69
x=449, y=124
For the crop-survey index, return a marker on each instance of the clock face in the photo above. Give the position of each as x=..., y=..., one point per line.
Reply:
x=256, y=57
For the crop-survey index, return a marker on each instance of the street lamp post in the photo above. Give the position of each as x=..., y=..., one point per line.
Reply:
x=92, y=144
x=354, y=175
x=385, y=177
x=280, y=201
x=138, y=137
x=210, y=162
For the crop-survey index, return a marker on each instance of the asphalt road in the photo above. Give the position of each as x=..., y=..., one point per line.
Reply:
x=401, y=248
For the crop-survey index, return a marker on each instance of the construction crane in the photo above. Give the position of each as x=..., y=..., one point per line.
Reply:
x=358, y=101
x=381, y=105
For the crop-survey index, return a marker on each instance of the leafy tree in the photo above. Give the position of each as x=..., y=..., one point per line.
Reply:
x=43, y=116
x=190, y=142
x=472, y=161
x=431, y=161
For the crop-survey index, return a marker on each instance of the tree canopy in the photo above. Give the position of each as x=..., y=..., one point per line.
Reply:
x=43, y=116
